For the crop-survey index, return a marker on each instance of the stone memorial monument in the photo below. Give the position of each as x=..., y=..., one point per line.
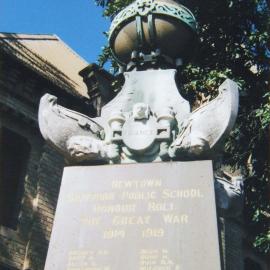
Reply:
x=150, y=203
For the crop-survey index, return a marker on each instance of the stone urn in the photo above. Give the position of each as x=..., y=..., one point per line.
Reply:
x=149, y=25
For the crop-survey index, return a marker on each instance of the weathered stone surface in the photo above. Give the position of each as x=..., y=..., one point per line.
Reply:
x=147, y=121
x=156, y=216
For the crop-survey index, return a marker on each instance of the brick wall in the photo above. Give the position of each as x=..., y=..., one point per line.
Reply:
x=49, y=175
x=27, y=245
x=20, y=92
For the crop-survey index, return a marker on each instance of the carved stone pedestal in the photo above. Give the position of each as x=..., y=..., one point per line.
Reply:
x=155, y=216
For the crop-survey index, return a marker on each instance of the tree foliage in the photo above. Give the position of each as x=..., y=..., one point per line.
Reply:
x=234, y=42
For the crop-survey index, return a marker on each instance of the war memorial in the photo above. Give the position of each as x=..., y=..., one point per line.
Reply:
x=139, y=192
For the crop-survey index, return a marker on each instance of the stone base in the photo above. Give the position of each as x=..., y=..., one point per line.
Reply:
x=155, y=216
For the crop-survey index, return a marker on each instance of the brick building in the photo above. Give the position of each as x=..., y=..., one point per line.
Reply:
x=30, y=171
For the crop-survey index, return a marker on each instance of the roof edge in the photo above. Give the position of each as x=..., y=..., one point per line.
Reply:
x=18, y=36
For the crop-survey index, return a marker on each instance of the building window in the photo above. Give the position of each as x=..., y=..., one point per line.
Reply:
x=14, y=153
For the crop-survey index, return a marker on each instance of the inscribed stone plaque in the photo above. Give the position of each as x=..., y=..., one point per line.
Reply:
x=155, y=216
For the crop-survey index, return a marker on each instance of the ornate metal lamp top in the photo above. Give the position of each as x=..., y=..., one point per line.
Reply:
x=153, y=21
x=145, y=7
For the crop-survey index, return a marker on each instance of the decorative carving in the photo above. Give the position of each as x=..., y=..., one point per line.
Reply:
x=144, y=7
x=140, y=111
x=144, y=123
x=67, y=130
x=81, y=148
x=209, y=124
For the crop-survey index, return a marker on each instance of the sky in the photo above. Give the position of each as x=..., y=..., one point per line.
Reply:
x=79, y=23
